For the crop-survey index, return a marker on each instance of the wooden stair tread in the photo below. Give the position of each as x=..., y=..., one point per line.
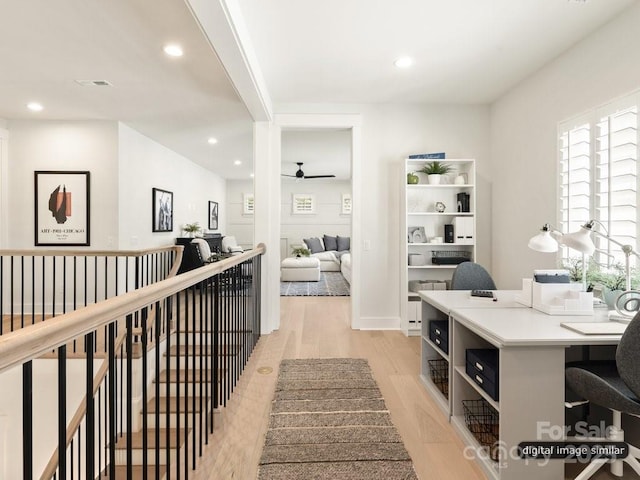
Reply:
x=137, y=472
x=172, y=404
x=187, y=376
x=137, y=439
x=189, y=350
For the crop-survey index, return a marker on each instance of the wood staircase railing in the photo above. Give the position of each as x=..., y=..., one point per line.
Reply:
x=196, y=329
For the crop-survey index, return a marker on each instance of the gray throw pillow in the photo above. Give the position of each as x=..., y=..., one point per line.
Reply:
x=330, y=243
x=344, y=243
x=314, y=244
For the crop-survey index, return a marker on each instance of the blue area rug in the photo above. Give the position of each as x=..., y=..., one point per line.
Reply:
x=331, y=284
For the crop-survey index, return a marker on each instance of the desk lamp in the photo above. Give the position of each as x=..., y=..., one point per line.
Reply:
x=548, y=239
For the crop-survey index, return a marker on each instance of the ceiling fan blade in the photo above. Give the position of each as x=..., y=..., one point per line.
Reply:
x=319, y=176
x=285, y=175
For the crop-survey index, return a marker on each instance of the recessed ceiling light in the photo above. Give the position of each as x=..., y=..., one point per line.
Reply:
x=173, y=50
x=238, y=162
x=212, y=141
x=403, y=62
x=35, y=106
x=251, y=175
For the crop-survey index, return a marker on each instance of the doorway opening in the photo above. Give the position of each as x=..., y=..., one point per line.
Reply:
x=315, y=212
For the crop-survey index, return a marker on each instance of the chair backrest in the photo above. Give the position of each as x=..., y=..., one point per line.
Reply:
x=628, y=355
x=230, y=245
x=471, y=276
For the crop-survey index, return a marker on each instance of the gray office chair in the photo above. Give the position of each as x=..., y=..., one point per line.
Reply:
x=615, y=385
x=471, y=276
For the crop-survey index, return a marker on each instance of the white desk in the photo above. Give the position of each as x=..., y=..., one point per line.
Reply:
x=531, y=348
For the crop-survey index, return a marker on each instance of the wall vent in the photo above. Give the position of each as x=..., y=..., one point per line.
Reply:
x=94, y=83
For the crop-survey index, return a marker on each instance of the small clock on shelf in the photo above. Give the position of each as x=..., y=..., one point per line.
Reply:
x=440, y=207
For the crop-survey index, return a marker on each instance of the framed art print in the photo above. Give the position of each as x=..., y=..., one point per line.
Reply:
x=213, y=215
x=62, y=208
x=162, y=202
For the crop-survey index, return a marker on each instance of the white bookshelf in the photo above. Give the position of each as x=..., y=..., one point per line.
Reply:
x=419, y=210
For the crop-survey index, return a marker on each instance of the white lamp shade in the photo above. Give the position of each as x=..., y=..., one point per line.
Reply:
x=580, y=241
x=543, y=242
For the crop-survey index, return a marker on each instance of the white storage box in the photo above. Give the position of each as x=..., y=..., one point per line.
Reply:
x=417, y=260
x=562, y=299
x=525, y=298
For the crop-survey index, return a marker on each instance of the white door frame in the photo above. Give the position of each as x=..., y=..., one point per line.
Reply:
x=4, y=187
x=319, y=121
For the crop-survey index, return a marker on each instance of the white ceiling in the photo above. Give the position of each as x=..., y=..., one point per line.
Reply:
x=466, y=51
x=322, y=152
x=45, y=46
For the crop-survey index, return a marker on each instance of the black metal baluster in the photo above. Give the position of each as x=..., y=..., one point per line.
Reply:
x=112, y=400
x=195, y=378
x=158, y=319
x=21, y=291
x=129, y=396
x=62, y=411
x=90, y=415
x=27, y=420
x=145, y=429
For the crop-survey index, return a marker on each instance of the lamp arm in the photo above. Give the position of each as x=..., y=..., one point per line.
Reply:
x=626, y=249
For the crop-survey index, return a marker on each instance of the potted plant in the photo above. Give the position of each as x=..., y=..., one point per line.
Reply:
x=191, y=229
x=434, y=170
x=301, y=252
x=412, y=178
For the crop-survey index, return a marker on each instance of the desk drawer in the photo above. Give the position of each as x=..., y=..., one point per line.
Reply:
x=439, y=334
x=482, y=367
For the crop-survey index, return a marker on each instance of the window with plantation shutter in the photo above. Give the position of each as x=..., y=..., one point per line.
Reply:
x=616, y=195
x=599, y=177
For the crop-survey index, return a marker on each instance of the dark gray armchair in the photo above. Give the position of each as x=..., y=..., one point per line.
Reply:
x=471, y=276
x=614, y=385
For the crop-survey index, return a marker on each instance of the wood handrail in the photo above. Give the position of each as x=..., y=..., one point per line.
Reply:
x=90, y=253
x=32, y=341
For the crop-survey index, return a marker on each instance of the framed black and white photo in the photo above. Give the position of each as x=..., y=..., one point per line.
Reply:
x=213, y=215
x=62, y=208
x=416, y=235
x=162, y=202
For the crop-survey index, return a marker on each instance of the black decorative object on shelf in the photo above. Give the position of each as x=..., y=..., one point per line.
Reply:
x=464, y=200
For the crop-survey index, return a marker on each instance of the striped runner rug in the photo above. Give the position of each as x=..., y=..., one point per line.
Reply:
x=329, y=421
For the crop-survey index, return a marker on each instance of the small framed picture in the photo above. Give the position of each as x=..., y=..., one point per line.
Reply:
x=213, y=215
x=162, y=202
x=247, y=204
x=416, y=235
x=62, y=208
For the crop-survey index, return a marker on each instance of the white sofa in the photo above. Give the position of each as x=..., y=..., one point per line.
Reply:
x=328, y=261
x=345, y=266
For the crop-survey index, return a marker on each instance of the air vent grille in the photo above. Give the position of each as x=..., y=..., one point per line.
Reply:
x=94, y=83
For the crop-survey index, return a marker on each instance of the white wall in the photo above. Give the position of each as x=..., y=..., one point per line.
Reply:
x=45, y=412
x=53, y=145
x=524, y=138
x=239, y=225
x=389, y=134
x=145, y=164
x=124, y=166
x=328, y=205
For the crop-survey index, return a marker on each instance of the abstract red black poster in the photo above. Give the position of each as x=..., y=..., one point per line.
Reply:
x=61, y=208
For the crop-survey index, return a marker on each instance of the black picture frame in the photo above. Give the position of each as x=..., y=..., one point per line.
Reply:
x=162, y=214
x=213, y=215
x=62, y=208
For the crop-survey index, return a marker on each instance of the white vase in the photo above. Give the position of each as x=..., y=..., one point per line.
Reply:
x=434, y=179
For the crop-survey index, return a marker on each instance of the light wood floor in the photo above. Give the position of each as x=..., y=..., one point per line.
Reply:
x=314, y=327
x=319, y=327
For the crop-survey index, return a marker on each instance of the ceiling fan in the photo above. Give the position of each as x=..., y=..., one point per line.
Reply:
x=300, y=174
